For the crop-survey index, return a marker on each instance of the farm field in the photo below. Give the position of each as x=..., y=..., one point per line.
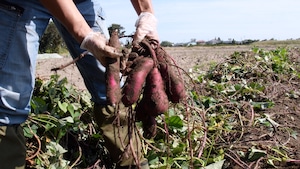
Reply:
x=186, y=58
x=258, y=121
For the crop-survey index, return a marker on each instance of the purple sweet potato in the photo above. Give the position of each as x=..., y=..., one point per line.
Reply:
x=174, y=83
x=150, y=127
x=112, y=73
x=154, y=93
x=149, y=122
x=136, y=79
x=131, y=64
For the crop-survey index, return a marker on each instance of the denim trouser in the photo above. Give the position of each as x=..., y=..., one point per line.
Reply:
x=21, y=30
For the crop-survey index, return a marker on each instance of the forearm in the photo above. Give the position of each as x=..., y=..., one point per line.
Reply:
x=67, y=13
x=142, y=6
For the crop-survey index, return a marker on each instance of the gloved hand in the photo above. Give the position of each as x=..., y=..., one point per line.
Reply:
x=96, y=43
x=145, y=27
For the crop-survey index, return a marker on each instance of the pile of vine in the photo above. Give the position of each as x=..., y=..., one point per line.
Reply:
x=242, y=113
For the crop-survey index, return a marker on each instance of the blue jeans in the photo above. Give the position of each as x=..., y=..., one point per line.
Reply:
x=21, y=27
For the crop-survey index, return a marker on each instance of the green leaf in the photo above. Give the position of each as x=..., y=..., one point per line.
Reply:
x=256, y=86
x=175, y=121
x=55, y=147
x=38, y=105
x=27, y=132
x=262, y=105
x=255, y=154
x=178, y=149
x=208, y=101
x=65, y=120
x=71, y=109
x=76, y=106
x=49, y=126
x=216, y=165
x=63, y=106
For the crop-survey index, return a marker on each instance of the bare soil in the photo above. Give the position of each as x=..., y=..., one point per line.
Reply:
x=185, y=57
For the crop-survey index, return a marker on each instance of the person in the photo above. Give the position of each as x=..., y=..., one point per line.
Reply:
x=81, y=24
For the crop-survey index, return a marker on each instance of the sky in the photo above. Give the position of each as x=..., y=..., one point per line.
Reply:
x=182, y=20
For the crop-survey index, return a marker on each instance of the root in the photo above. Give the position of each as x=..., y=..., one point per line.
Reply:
x=39, y=145
x=71, y=62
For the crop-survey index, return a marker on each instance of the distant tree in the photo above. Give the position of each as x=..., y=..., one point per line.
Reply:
x=51, y=41
x=114, y=27
x=166, y=44
x=233, y=41
x=127, y=42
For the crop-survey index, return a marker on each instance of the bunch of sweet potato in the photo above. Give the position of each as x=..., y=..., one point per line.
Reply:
x=151, y=83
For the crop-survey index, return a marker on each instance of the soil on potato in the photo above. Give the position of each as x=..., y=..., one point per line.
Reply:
x=285, y=112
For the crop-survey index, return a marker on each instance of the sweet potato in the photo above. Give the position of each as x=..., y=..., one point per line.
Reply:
x=174, y=84
x=124, y=59
x=135, y=80
x=154, y=93
x=112, y=73
x=148, y=121
x=155, y=100
x=150, y=127
x=130, y=64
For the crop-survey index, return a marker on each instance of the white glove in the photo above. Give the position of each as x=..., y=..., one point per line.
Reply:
x=146, y=27
x=96, y=43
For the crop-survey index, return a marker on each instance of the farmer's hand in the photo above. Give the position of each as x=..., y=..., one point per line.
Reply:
x=96, y=43
x=145, y=27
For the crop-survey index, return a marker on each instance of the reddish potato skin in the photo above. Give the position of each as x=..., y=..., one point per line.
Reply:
x=112, y=73
x=149, y=122
x=174, y=84
x=176, y=90
x=150, y=127
x=154, y=93
x=135, y=80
